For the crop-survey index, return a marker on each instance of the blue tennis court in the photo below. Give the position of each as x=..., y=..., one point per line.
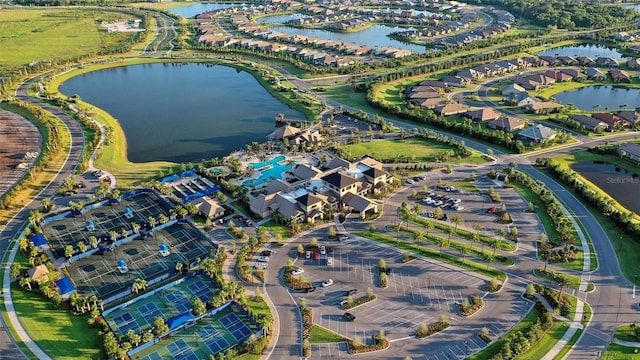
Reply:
x=229, y=320
x=179, y=301
x=207, y=332
x=240, y=331
x=217, y=345
x=179, y=350
x=152, y=356
x=150, y=311
x=201, y=290
x=126, y=322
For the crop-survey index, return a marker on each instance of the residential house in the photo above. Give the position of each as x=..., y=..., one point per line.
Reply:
x=481, y=115
x=506, y=123
x=632, y=117
x=630, y=151
x=521, y=99
x=536, y=134
x=590, y=123
x=595, y=74
x=633, y=64
x=619, y=76
x=559, y=76
x=586, y=61
x=543, y=107
x=607, y=61
x=455, y=81
x=430, y=103
x=614, y=121
x=576, y=75
x=450, y=109
x=511, y=89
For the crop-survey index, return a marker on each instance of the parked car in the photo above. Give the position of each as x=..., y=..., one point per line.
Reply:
x=316, y=256
x=388, y=271
x=310, y=289
x=263, y=258
x=343, y=302
x=329, y=261
x=307, y=255
x=297, y=271
x=330, y=250
x=327, y=283
x=323, y=250
x=266, y=253
x=351, y=292
x=343, y=237
x=349, y=316
x=492, y=210
x=458, y=208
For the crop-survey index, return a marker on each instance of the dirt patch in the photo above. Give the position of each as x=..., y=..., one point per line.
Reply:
x=18, y=137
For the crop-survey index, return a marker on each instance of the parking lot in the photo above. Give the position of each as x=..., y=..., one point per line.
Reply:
x=417, y=293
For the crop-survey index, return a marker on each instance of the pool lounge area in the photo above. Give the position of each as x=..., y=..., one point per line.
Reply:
x=269, y=171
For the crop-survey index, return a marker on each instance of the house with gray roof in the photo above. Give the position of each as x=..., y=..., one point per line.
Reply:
x=536, y=134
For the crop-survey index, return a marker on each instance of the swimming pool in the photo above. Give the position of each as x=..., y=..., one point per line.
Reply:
x=271, y=170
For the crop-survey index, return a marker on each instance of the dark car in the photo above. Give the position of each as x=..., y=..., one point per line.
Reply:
x=352, y=291
x=266, y=253
x=349, y=316
x=388, y=271
x=310, y=289
x=329, y=249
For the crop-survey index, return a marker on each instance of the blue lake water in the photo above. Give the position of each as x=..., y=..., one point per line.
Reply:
x=607, y=96
x=182, y=112
x=374, y=36
x=592, y=51
x=195, y=9
x=278, y=19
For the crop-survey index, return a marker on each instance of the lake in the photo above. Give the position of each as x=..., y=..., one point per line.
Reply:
x=279, y=19
x=182, y=112
x=190, y=11
x=592, y=51
x=373, y=36
x=607, y=96
x=617, y=182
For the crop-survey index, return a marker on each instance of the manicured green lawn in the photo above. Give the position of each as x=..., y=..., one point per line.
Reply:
x=277, y=230
x=55, y=330
x=569, y=345
x=258, y=307
x=320, y=335
x=619, y=352
x=626, y=333
x=494, y=348
x=550, y=339
x=43, y=34
x=574, y=281
x=412, y=149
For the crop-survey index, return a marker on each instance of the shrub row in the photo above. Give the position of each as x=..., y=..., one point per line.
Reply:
x=381, y=343
x=431, y=329
x=470, y=306
x=361, y=300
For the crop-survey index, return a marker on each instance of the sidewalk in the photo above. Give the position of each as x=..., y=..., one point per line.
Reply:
x=574, y=325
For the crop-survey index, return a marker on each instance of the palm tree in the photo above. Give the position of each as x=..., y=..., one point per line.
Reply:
x=419, y=236
x=138, y=284
x=35, y=217
x=82, y=246
x=562, y=281
x=93, y=241
x=46, y=204
x=113, y=235
x=25, y=283
x=135, y=227
x=152, y=221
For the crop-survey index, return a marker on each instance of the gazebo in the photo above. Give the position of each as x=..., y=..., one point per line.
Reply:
x=164, y=250
x=91, y=226
x=122, y=266
x=128, y=213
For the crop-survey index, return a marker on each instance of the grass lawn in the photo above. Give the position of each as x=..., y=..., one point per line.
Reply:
x=569, y=345
x=54, y=329
x=258, y=307
x=619, y=352
x=574, y=281
x=626, y=333
x=277, y=230
x=320, y=335
x=549, y=340
x=586, y=314
x=494, y=348
x=42, y=34
x=466, y=186
x=412, y=149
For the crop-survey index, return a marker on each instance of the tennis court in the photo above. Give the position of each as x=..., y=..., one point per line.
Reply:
x=167, y=304
x=107, y=218
x=207, y=337
x=98, y=274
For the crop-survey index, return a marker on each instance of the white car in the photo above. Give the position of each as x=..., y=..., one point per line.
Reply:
x=343, y=238
x=308, y=255
x=458, y=208
x=329, y=261
x=263, y=258
x=327, y=283
x=297, y=271
x=323, y=250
